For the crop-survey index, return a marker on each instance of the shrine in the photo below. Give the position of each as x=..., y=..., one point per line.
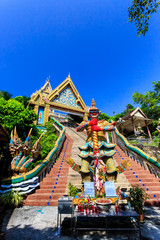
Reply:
x=130, y=123
x=57, y=103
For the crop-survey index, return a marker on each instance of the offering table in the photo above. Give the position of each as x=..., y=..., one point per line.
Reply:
x=125, y=220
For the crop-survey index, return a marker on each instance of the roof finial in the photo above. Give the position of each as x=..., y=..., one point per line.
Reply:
x=93, y=104
x=48, y=78
x=69, y=75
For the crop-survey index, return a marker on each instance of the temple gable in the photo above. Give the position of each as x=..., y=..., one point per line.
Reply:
x=67, y=97
x=46, y=89
x=63, y=99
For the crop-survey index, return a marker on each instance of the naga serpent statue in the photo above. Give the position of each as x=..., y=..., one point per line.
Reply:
x=23, y=153
x=97, y=162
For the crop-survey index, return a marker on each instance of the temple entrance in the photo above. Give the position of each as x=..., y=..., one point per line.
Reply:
x=63, y=115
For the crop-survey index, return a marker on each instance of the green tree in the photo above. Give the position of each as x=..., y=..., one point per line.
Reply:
x=129, y=108
x=103, y=116
x=13, y=113
x=150, y=104
x=23, y=99
x=150, y=101
x=6, y=95
x=117, y=116
x=140, y=12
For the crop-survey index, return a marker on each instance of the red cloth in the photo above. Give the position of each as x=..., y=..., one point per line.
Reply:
x=94, y=121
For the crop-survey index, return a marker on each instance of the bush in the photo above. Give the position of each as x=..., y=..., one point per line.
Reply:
x=72, y=190
x=12, y=199
x=48, y=140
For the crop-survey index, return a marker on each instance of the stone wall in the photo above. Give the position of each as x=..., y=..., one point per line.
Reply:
x=151, y=150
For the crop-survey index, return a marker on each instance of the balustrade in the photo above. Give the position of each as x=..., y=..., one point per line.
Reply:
x=137, y=156
x=53, y=157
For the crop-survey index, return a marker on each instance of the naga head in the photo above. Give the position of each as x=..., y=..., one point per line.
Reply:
x=94, y=111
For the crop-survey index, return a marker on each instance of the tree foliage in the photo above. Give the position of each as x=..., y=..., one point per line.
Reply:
x=129, y=108
x=150, y=101
x=48, y=140
x=13, y=113
x=103, y=116
x=150, y=104
x=6, y=95
x=140, y=12
x=23, y=99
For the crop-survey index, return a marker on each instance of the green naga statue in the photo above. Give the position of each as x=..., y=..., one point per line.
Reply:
x=97, y=154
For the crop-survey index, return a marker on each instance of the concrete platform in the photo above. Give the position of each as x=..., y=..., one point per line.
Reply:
x=37, y=223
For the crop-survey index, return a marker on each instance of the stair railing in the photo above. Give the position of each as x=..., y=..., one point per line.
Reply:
x=145, y=160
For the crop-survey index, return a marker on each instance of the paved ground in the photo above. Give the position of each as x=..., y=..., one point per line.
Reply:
x=37, y=223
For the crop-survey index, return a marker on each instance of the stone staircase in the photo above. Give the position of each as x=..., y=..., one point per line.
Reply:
x=136, y=174
x=54, y=184
x=79, y=140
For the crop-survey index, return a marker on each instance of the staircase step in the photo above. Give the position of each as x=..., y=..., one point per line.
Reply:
x=142, y=177
x=53, y=176
x=60, y=173
x=44, y=196
x=49, y=190
x=152, y=202
x=152, y=193
x=52, y=186
x=147, y=184
x=53, y=183
x=143, y=180
x=40, y=203
x=142, y=172
x=56, y=168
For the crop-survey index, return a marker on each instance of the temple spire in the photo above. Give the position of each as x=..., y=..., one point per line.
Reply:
x=93, y=104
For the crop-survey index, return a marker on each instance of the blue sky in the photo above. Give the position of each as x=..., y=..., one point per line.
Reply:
x=91, y=39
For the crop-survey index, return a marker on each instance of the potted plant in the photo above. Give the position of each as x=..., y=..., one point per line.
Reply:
x=137, y=198
x=72, y=190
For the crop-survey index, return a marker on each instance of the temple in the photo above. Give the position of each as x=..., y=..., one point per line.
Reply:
x=57, y=103
x=130, y=122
